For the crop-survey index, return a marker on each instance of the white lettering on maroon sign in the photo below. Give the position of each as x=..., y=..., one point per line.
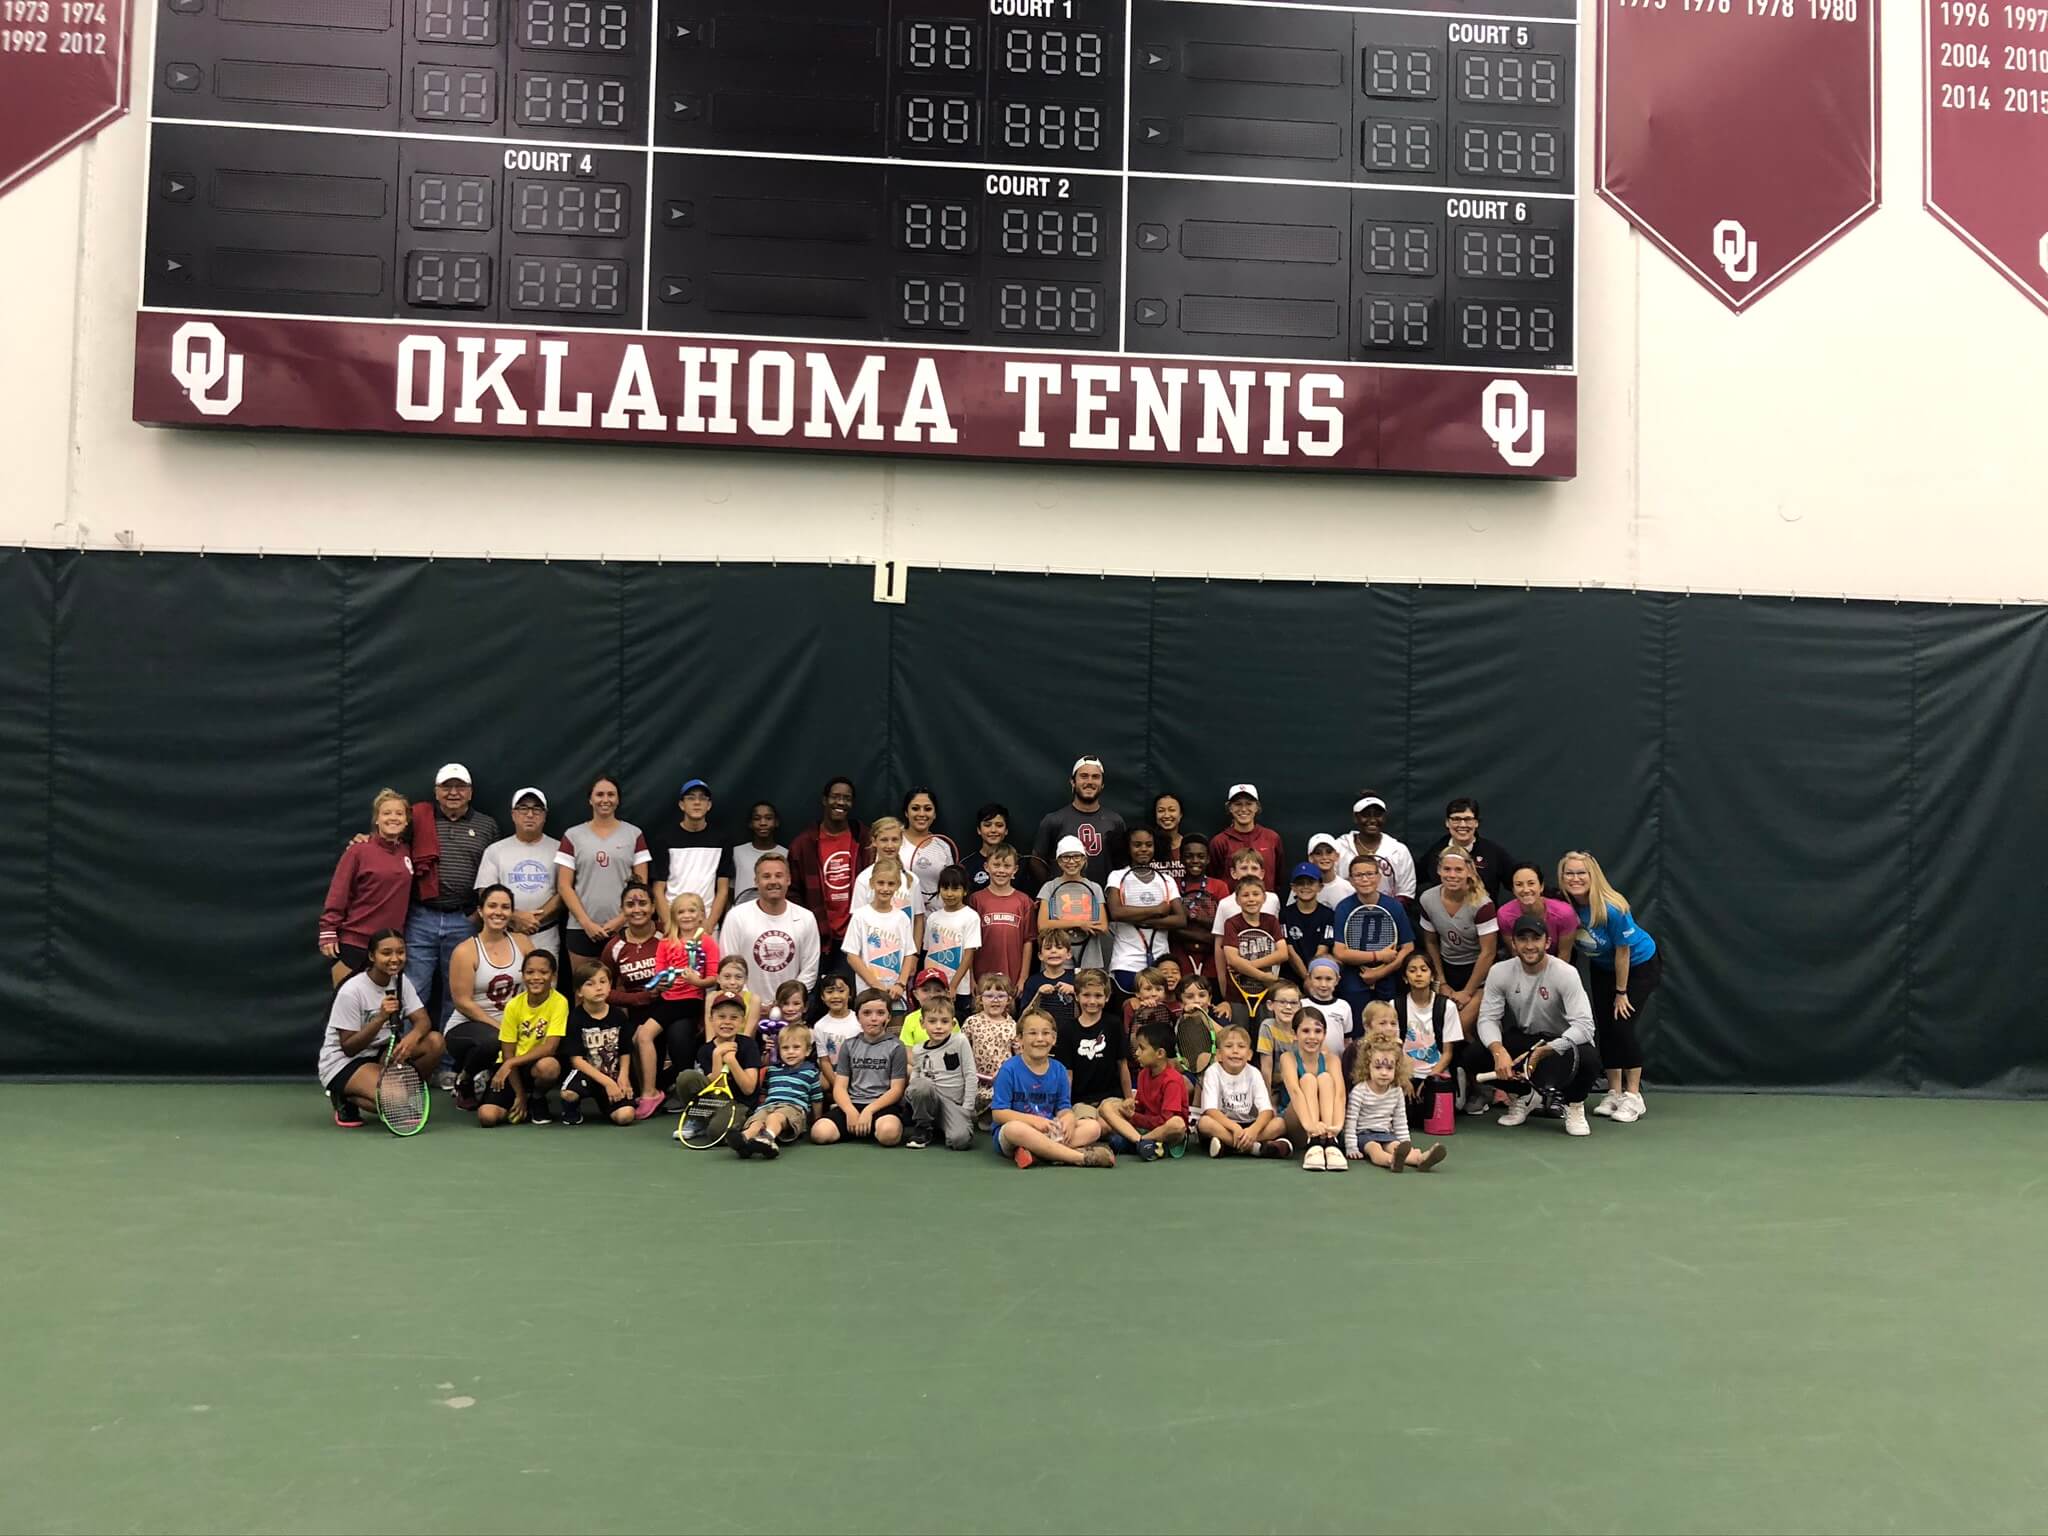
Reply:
x=1739, y=135
x=1986, y=81
x=338, y=375
x=63, y=77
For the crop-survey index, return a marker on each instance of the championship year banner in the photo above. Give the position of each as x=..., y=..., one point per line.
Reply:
x=63, y=77
x=1986, y=104
x=1741, y=136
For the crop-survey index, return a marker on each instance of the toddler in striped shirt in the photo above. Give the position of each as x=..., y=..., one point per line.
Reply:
x=794, y=1090
x=1376, y=1114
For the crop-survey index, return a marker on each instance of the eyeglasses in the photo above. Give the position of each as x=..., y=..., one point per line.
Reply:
x=1464, y=821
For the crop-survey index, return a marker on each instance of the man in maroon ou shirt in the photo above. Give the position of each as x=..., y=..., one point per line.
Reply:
x=823, y=860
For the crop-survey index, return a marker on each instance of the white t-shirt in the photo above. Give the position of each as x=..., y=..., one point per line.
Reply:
x=881, y=940
x=947, y=938
x=1132, y=948
x=864, y=890
x=1419, y=1035
x=925, y=863
x=1228, y=908
x=1397, y=864
x=1333, y=893
x=744, y=858
x=1338, y=1019
x=828, y=1034
x=1242, y=1098
x=527, y=870
x=356, y=1002
x=778, y=948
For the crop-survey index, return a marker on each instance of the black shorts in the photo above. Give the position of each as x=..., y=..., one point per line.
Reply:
x=503, y=1097
x=334, y=1084
x=1455, y=976
x=838, y=1117
x=354, y=956
x=581, y=944
x=590, y=1095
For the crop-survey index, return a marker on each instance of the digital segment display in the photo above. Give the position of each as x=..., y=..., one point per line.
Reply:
x=1165, y=178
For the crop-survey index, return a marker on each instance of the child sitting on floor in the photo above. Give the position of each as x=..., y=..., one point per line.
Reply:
x=1376, y=1115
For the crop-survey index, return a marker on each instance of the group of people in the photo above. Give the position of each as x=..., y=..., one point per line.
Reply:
x=1111, y=987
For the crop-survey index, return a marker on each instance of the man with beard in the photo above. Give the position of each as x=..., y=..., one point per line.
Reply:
x=1101, y=831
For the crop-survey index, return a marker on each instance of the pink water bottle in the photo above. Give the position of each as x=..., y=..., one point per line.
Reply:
x=1443, y=1115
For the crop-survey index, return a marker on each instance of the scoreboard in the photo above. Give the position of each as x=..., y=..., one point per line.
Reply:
x=1201, y=231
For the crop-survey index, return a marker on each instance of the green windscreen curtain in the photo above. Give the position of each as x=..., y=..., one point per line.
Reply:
x=1825, y=811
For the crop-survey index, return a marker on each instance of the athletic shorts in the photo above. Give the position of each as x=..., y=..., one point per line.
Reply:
x=1086, y=1111
x=833, y=1113
x=503, y=1097
x=582, y=944
x=589, y=1094
x=354, y=956
x=797, y=1121
x=333, y=1085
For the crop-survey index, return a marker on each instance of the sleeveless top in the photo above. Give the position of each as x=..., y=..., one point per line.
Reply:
x=494, y=984
x=1301, y=1067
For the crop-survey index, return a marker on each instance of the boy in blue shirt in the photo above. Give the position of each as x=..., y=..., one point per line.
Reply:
x=1310, y=926
x=796, y=1088
x=1032, y=1105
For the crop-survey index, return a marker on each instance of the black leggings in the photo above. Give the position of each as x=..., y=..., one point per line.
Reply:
x=1620, y=1049
x=474, y=1047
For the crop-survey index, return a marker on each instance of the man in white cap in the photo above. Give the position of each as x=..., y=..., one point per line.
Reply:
x=446, y=851
x=1244, y=831
x=1101, y=832
x=1397, y=864
x=524, y=864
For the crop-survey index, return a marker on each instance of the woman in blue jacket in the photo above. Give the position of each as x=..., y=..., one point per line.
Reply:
x=1625, y=970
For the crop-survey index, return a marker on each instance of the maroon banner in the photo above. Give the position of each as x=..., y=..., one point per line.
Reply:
x=63, y=77
x=1986, y=84
x=350, y=376
x=1739, y=135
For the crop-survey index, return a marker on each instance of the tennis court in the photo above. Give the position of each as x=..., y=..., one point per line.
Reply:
x=1768, y=1313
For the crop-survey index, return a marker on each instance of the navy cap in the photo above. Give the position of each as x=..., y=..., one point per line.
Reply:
x=1528, y=922
x=690, y=784
x=1307, y=871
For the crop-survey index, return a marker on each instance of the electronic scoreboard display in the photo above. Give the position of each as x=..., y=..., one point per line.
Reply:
x=1178, y=231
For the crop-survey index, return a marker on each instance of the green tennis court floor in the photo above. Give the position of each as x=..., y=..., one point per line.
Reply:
x=1743, y=1313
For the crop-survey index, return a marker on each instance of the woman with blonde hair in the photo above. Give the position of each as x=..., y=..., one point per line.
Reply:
x=371, y=888
x=1625, y=970
x=885, y=845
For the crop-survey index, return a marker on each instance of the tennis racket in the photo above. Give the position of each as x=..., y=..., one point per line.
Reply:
x=709, y=1117
x=402, y=1102
x=1253, y=944
x=1370, y=928
x=1074, y=904
x=1498, y=1077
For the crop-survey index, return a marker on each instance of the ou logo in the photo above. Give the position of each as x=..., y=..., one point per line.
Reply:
x=202, y=363
x=1506, y=418
x=1735, y=250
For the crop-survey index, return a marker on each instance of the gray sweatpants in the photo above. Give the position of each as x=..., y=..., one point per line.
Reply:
x=931, y=1111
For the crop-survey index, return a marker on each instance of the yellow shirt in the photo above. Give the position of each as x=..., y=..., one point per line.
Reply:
x=526, y=1026
x=913, y=1033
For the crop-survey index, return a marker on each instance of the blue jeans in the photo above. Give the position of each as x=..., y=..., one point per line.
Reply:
x=431, y=939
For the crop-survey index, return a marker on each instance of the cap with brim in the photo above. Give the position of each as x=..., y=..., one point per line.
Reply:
x=690, y=784
x=1249, y=791
x=1070, y=844
x=1083, y=762
x=1528, y=924
x=928, y=975
x=1322, y=840
x=529, y=793
x=452, y=773
x=1307, y=871
x=1366, y=803
x=1325, y=963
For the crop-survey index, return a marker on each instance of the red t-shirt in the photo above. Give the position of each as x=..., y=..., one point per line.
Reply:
x=1264, y=841
x=1008, y=923
x=1161, y=1094
x=838, y=863
x=1232, y=935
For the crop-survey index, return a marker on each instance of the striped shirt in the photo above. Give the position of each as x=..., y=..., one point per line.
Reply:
x=800, y=1087
x=1370, y=1110
x=462, y=848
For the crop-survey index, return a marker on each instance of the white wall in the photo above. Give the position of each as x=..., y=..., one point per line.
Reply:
x=1878, y=427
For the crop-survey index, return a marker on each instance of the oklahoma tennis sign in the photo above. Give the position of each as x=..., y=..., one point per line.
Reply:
x=63, y=77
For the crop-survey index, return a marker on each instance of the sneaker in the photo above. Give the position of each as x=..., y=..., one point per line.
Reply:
x=572, y=1111
x=674, y=1104
x=1334, y=1160
x=1642, y=1109
x=1478, y=1102
x=1575, y=1120
x=1397, y=1157
x=347, y=1116
x=1523, y=1107
x=1279, y=1146
x=1215, y=1146
x=444, y=1080
x=1312, y=1159
x=465, y=1100
x=1625, y=1111
x=544, y=1109
x=1023, y=1158
x=1150, y=1150
x=766, y=1146
x=1097, y=1156
x=1608, y=1105
x=647, y=1106
x=743, y=1147
x=1179, y=1148
x=918, y=1137
x=1431, y=1158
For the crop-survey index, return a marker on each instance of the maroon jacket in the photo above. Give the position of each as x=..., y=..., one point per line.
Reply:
x=807, y=874
x=368, y=893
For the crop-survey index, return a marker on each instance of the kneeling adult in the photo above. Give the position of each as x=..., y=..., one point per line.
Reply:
x=1550, y=1046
